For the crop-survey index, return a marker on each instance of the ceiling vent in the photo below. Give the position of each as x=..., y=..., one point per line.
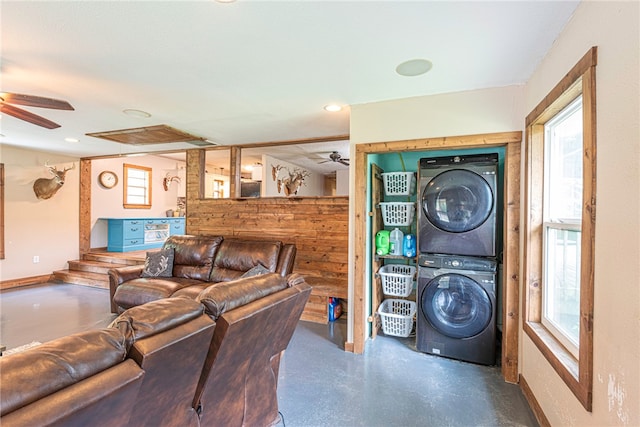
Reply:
x=160, y=134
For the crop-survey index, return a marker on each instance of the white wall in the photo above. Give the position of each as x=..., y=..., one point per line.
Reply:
x=313, y=184
x=461, y=113
x=46, y=228
x=614, y=28
x=107, y=203
x=342, y=182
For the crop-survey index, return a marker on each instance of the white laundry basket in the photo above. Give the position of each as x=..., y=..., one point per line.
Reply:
x=397, y=213
x=397, y=316
x=397, y=280
x=399, y=183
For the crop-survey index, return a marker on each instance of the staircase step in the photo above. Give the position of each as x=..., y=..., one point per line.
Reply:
x=107, y=258
x=92, y=266
x=85, y=278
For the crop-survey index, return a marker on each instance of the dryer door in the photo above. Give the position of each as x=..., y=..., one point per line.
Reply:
x=456, y=306
x=457, y=201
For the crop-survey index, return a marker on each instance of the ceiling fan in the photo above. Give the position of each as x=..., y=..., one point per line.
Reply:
x=6, y=99
x=336, y=157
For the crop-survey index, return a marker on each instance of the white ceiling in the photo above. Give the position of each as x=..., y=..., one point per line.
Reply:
x=252, y=71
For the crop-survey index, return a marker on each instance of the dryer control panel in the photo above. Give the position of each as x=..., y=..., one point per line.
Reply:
x=456, y=262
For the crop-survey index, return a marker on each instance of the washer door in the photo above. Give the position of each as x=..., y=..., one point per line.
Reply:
x=456, y=306
x=457, y=201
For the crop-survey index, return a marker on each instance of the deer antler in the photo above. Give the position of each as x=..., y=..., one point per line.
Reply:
x=274, y=172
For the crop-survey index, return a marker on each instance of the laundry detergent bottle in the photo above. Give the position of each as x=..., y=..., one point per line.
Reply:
x=382, y=242
x=395, y=239
x=409, y=246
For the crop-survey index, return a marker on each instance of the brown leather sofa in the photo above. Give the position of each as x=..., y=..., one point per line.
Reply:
x=199, y=262
x=83, y=379
x=212, y=361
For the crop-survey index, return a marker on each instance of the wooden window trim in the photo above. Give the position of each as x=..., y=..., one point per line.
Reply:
x=125, y=187
x=577, y=374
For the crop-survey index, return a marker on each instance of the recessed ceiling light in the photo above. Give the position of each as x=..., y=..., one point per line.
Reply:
x=136, y=113
x=72, y=139
x=333, y=108
x=414, y=67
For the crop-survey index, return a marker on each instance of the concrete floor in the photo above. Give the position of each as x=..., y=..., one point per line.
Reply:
x=392, y=384
x=320, y=384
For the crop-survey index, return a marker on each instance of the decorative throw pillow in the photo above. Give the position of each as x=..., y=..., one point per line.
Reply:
x=158, y=264
x=256, y=271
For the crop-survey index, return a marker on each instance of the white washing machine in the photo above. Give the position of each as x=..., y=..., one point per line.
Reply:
x=458, y=201
x=457, y=308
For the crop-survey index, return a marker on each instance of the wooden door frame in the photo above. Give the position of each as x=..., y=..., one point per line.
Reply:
x=512, y=141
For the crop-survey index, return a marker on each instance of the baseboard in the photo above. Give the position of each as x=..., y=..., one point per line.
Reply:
x=25, y=281
x=533, y=403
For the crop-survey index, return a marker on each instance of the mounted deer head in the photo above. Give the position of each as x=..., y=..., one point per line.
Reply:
x=289, y=184
x=45, y=188
x=168, y=179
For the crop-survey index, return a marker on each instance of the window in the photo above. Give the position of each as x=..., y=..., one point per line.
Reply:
x=562, y=217
x=137, y=187
x=560, y=227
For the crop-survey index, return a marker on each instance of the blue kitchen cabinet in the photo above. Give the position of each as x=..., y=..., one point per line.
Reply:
x=134, y=234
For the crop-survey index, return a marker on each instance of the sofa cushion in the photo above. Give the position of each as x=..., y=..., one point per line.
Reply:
x=157, y=316
x=193, y=255
x=159, y=264
x=222, y=297
x=28, y=376
x=235, y=257
x=191, y=291
x=143, y=290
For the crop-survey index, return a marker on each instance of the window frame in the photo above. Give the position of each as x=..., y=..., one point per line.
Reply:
x=577, y=373
x=148, y=187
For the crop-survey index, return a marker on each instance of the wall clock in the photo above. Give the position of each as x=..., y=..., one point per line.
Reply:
x=108, y=179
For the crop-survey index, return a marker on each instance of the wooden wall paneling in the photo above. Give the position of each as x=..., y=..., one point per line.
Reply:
x=235, y=171
x=85, y=207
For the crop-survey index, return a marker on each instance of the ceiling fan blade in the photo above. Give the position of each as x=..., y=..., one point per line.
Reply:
x=27, y=116
x=344, y=162
x=35, y=101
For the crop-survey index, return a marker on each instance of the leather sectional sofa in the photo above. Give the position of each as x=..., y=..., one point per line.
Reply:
x=198, y=262
x=208, y=361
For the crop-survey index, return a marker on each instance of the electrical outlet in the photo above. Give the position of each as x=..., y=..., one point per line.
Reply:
x=36, y=259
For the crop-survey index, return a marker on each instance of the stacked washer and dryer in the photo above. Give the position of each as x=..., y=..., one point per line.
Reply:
x=456, y=288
